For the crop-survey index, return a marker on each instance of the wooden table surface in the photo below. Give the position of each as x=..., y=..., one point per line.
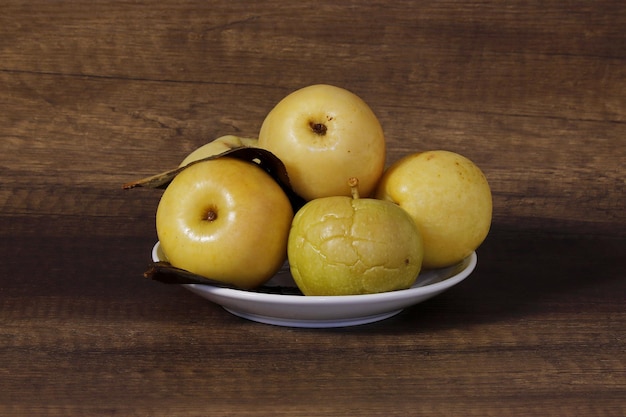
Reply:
x=94, y=94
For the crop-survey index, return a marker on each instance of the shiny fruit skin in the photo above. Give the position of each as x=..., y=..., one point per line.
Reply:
x=344, y=246
x=246, y=242
x=448, y=197
x=325, y=135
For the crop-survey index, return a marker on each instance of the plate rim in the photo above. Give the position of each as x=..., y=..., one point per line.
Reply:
x=412, y=292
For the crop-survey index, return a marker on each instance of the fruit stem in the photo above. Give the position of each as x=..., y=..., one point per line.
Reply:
x=210, y=215
x=318, y=128
x=353, y=182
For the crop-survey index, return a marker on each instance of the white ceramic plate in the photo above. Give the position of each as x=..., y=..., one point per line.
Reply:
x=327, y=311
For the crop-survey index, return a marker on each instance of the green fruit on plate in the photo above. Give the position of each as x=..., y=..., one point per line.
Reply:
x=348, y=246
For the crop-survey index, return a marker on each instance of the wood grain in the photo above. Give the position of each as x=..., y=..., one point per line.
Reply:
x=519, y=338
x=95, y=94
x=537, y=102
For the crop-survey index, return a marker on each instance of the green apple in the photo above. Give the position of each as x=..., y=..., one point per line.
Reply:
x=348, y=246
x=225, y=219
x=218, y=146
x=448, y=197
x=325, y=135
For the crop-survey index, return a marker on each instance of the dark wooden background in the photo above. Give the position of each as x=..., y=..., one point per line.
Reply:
x=94, y=94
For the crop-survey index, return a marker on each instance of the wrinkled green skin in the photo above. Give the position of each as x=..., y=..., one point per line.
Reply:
x=344, y=246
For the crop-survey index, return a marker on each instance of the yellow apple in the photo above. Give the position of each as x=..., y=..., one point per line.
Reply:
x=218, y=146
x=448, y=197
x=225, y=219
x=345, y=246
x=324, y=135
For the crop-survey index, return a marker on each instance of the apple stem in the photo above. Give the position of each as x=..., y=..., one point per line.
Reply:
x=210, y=215
x=353, y=182
x=318, y=128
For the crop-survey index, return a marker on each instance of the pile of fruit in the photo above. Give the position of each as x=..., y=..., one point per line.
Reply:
x=313, y=190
